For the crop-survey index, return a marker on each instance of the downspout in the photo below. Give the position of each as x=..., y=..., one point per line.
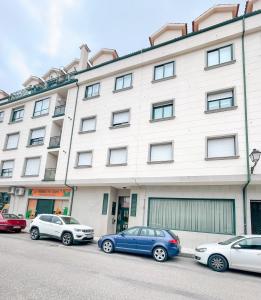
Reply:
x=244, y=191
x=69, y=151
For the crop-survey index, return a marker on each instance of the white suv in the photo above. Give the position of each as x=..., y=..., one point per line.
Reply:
x=64, y=228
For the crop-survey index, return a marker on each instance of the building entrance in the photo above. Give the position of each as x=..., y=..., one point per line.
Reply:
x=256, y=217
x=123, y=213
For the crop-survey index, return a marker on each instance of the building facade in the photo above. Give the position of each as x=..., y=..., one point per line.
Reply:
x=158, y=137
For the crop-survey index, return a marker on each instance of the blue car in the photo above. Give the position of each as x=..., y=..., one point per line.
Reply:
x=159, y=243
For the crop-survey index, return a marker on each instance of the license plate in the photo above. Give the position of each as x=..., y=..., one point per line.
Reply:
x=17, y=227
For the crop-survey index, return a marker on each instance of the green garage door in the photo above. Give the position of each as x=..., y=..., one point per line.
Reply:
x=200, y=215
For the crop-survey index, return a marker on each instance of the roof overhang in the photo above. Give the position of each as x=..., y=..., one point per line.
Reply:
x=31, y=78
x=72, y=64
x=55, y=70
x=112, y=52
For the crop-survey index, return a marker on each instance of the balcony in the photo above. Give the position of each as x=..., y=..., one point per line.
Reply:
x=59, y=111
x=54, y=142
x=49, y=174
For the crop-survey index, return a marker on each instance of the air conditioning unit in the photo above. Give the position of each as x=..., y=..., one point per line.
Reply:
x=19, y=191
x=11, y=190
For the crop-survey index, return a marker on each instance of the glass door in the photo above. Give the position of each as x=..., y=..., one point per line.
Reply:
x=123, y=213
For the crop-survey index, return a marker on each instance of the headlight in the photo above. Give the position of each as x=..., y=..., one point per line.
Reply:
x=201, y=249
x=77, y=230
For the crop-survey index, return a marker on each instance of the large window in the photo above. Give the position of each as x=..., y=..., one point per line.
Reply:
x=17, y=114
x=84, y=159
x=37, y=136
x=219, y=56
x=220, y=100
x=117, y=156
x=164, y=71
x=200, y=215
x=2, y=116
x=120, y=118
x=92, y=90
x=7, y=167
x=123, y=82
x=162, y=110
x=41, y=107
x=32, y=166
x=162, y=152
x=12, y=141
x=221, y=147
x=88, y=124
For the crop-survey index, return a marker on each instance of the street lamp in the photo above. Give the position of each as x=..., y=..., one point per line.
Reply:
x=254, y=156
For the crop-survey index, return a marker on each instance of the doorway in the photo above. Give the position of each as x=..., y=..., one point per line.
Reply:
x=44, y=206
x=123, y=213
x=256, y=217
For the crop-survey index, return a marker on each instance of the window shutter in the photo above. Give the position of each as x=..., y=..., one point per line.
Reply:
x=89, y=124
x=38, y=133
x=32, y=166
x=218, y=96
x=105, y=203
x=12, y=141
x=221, y=147
x=118, y=156
x=161, y=152
x=121, y=117
x=134, y=198
x=85, y=159
x=8, y=164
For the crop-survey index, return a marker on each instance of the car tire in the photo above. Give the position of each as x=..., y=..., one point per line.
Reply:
x=35, y=234
x=67, y=239
x=107, y=246
x=160, y=254
x=218, y=263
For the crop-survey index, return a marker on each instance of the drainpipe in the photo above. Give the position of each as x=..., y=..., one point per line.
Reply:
x=244, y=191
x=69, y=151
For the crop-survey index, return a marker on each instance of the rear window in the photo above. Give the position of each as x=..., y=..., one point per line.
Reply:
x=10, y=216
x=172, y=234
x=46, y=218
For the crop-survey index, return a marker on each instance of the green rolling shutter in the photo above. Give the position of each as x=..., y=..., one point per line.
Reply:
x=134, y=198
x=105, y=203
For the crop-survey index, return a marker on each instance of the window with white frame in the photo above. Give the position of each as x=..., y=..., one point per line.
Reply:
x=37, y=136
x=84, y=159
x=88, y=124
x=2, y=116
x=120, y=118
x=12, y=141
x=162, y=152
x=92, y=90
x=41, y=107
x=164, y=71
x=162, y=110
x=32, y=166
x=220, y=100
x=7, y=168
x=123, y=82
x=220, y=147
x=17, y=114
x=117, y=156
x=219, y=56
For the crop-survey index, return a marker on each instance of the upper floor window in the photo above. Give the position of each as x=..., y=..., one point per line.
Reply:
x=220, y=100
x=7, y=168
x=162, y=152
x=2, y=116
x=32, y=166
x=162, y=110
x=84, y=159
x=37, y=136
x=221, y=147
x=164, y=71
x=219, y=56
x=88, y=124
x=17, y=114
x=92, y=90
x=117, y=156
x=41, y=107
x=123, y=82
x=12, y=141
x=120, y=118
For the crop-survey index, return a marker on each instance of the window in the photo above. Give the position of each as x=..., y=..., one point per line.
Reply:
x=41, y=107
x=198, y=215
x=105, y=203
x=88, y=124
x=132, y=231
x=220, y=100
x=123, y=82
x=147, y=232
x=84, y=159
x=2, y=116
x=120, y=118
x=32, y=166
x=7, y=168
x=12, y=141
x=56, y=220
x=162, y=110
x=37, y=136
x=133, y=210
x=164, y=71
x=159, y=233
x=161, y=152
x=92, y=90
x=17, y=114
x=221, y=147
x=117, y=156
x=46, y=218
x=251, y=243
x=219, y=56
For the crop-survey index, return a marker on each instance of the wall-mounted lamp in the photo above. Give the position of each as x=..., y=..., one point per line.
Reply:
x=254, y=156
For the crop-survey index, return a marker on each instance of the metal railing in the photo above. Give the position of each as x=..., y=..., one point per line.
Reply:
x=49, y=174
x=59, y=110
x=54, y=142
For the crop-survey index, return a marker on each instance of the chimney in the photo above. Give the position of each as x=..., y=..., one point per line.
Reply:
x=83, y=64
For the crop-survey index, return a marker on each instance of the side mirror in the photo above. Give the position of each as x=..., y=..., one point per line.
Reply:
x=237, y=246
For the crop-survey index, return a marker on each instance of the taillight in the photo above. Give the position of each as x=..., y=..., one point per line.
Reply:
x=174, y=241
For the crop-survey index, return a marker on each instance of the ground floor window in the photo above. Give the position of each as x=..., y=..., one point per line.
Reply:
x=199, y=215
x=4, y=201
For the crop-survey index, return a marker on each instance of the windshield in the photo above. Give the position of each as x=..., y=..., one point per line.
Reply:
x=69, y=220
x=232, y=240
x=10, y=216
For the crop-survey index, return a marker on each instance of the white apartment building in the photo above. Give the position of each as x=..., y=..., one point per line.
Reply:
x=159, y=137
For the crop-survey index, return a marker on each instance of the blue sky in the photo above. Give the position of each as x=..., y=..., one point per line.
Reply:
x=36, y=35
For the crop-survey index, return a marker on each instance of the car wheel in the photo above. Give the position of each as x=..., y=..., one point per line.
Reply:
x=218, y=263
x=160, y=254
x=35, y=235
x=67, y=239
x=107, y=246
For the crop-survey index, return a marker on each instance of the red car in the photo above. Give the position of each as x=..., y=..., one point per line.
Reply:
x=11, y=222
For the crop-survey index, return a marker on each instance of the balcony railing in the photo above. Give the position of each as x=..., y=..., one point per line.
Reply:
x=49, y=174
x=54, y=142
x=59, y=111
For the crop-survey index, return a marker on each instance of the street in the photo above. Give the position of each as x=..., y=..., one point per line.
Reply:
x=45, y=269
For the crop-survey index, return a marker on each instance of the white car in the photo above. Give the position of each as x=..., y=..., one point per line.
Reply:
x=240, y=252
x=64, y=228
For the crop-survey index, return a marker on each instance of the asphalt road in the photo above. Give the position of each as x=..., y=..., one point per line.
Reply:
x=45, y=269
